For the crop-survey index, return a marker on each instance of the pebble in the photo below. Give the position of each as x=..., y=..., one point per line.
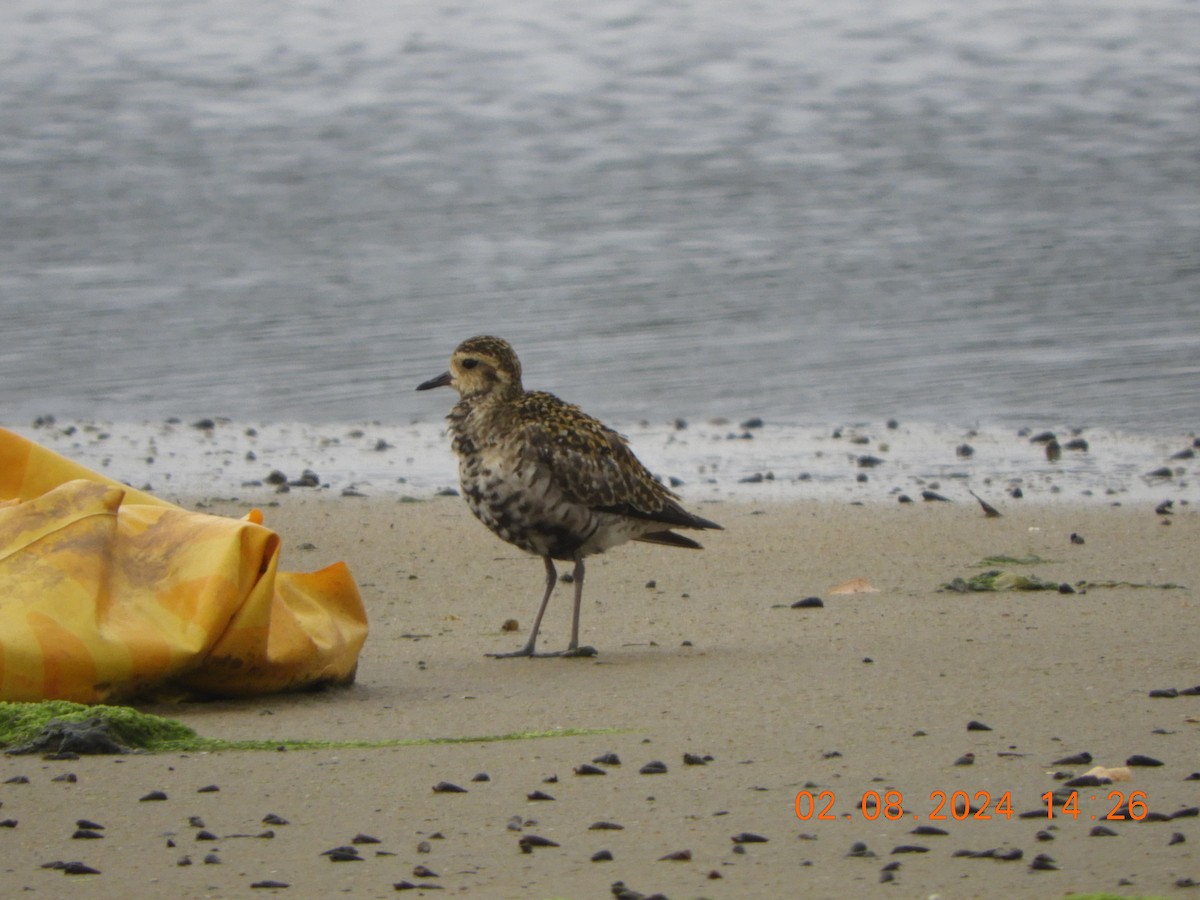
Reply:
x=749, y=837
x=1138, y=760
x=343, y=854
x=655, y=767
x=1077, y=759
x=677, y=856
x=528, y=841
x=809, y=603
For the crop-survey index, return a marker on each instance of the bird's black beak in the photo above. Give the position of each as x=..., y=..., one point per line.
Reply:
x=441, y=381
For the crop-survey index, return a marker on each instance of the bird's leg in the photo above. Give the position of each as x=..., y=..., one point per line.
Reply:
x=527, y=650
x=573, y=649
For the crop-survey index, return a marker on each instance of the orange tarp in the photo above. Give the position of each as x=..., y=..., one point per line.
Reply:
x=108, y=593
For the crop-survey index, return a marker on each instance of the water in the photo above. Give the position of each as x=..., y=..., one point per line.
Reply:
x=948, y=213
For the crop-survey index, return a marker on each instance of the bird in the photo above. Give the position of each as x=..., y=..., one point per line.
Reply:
x=547, y=477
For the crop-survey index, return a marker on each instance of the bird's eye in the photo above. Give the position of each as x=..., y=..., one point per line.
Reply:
x=470, y=363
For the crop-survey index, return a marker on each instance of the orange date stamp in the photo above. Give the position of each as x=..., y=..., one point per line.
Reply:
x=959, y=806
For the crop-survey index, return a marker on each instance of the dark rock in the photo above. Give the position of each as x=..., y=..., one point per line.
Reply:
x=91, y=736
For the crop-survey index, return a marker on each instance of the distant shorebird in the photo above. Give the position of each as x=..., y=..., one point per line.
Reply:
x=547, y=477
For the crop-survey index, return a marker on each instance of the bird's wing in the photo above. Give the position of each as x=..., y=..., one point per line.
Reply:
x=592, y=464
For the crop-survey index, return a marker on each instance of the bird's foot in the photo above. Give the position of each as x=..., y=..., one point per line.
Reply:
x=575, y=652
x=579, y=652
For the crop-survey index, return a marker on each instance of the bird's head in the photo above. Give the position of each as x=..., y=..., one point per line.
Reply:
x=479, y=366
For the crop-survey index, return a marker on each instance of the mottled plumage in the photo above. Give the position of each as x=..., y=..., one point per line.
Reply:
x=547, y=477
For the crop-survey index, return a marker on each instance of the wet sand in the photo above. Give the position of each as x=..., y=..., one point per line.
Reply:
x=699, y=653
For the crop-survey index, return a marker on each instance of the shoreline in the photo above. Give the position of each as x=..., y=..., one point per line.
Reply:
x=718, y=460
x=699, y=653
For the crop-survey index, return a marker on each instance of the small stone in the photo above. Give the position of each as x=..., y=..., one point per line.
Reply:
x=1138, y=760
x=977, y=726
x=78, y=868
x=602, y=856
x=677, y=856
x=446, y=787
x=538, y=796
x=656, y=767
x=1078, y=759
x=343, y=854
x=749, y=837
x=152, y=797
x=528, y=841
x=588, y=769
x=809, y=603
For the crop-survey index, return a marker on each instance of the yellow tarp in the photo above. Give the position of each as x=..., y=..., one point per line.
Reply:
x=107, y=593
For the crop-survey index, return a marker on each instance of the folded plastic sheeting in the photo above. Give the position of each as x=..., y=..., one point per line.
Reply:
x=108, y=593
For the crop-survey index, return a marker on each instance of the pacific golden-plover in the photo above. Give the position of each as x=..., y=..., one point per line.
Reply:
x=544, y=475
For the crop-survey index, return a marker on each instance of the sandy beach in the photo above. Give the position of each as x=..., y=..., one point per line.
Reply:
x=700, y=653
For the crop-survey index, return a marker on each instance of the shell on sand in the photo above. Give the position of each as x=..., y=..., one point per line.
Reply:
x=1121, y=773
x=855, y=586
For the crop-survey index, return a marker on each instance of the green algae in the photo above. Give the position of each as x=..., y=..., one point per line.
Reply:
x=145, y=732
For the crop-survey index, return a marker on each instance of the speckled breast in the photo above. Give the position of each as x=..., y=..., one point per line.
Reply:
x=518, y=501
